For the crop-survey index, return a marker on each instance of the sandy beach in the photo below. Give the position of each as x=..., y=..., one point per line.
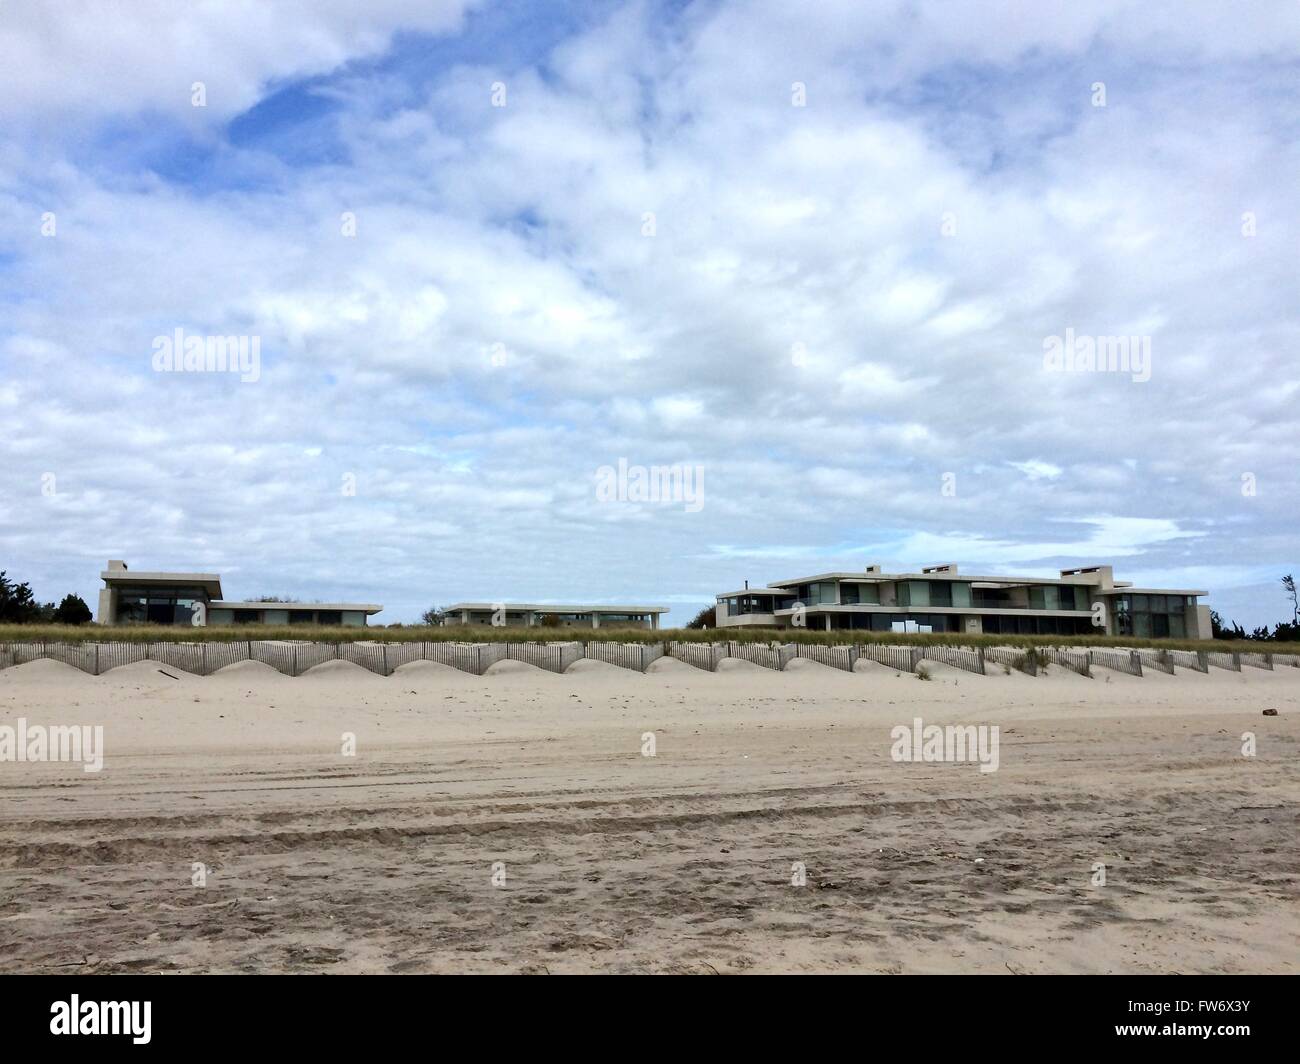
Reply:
x=512, y=822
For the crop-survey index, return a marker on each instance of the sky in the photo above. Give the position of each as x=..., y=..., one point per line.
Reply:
x=817, y=257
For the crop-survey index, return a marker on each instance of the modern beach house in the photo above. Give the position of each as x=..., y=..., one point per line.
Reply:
x=528, y=614
x=133, y=597
x=939, y=599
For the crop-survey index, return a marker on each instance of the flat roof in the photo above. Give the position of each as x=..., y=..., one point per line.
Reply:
x=208, y=581
x=1129, y=590
x=230, y=604
x=551, y=607
x=857, y=607
x=859, y=577
x=876, y=578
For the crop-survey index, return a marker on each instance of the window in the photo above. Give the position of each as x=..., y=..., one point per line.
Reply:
x=960, y=594
x=330, y=617
x=940, y=593
x=914, y=592
x=131, y=610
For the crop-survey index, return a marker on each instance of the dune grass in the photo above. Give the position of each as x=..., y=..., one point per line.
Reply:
x=482, y=633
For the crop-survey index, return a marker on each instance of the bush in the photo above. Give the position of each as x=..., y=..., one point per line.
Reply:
x=17, y=603
x=72, y=610
x=706, y=618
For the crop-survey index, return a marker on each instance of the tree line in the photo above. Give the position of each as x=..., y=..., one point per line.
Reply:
x=19, y=606
x=1282, y=632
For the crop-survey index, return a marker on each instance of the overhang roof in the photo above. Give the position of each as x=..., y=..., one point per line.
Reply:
x=551, y=607
x=210, y=582
x=230, y=604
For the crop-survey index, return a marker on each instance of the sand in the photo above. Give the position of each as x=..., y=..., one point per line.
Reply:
x=681, y=862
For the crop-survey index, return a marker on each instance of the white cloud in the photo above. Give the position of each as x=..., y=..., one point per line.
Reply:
x=102, y=56
x=1036, y=470
x=519, y=231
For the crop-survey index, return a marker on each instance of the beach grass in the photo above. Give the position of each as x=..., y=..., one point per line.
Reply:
x=90, y=633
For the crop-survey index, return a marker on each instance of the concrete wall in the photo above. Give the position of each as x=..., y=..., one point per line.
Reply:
x=534, y=620
x=741, y=619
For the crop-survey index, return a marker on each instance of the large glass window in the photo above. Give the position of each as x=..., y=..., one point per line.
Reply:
x=916, y=593
x=961, y=594
x=132, y=609
x=157, y=605
x=859, y=594
x=1150, y=616
x=940, y=593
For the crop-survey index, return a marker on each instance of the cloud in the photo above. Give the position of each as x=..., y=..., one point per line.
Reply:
x=106, y=57
x=648, y=253
x=1036, y=470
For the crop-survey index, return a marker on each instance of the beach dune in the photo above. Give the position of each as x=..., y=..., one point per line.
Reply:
x=673, y=821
